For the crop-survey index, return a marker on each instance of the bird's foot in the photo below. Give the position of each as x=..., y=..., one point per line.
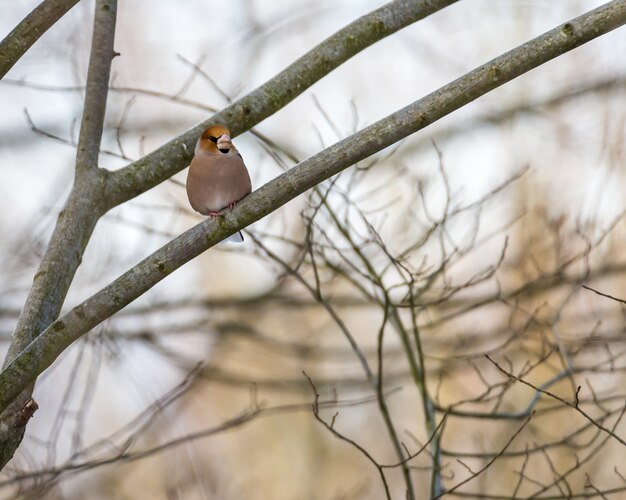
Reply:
x=214, y=213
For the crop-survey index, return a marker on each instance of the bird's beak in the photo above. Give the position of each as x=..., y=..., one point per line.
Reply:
x=224, y=142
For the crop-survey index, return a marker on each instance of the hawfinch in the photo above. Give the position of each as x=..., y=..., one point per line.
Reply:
x=217, y=177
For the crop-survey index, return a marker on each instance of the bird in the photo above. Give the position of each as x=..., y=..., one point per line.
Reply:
x=218, y=177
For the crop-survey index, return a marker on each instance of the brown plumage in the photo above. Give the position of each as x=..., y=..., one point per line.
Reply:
x=217, y=177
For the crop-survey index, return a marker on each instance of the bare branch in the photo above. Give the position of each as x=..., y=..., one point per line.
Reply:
x=616, y=299
x=243, y=114
x=75, y=223
x=489, y=463
x=574, y=406
x=25, y=34
x=98, y=75
x=316, y=413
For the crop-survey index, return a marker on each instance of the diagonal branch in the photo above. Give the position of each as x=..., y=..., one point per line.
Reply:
x=575, y=406
x=46, y=348
x=25, y=34
x=264, y=101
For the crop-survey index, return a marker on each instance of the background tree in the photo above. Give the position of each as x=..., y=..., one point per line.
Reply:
x=448, y=335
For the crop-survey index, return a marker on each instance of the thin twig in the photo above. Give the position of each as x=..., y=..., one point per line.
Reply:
x=574, y=406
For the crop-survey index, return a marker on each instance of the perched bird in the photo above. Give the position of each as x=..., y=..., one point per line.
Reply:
x=217, y=177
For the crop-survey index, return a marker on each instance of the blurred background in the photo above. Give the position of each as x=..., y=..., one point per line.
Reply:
x=472, y=237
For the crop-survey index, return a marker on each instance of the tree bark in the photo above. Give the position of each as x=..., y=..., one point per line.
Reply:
x=74, y=224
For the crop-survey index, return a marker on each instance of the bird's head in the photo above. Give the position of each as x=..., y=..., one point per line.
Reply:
x=215, y=139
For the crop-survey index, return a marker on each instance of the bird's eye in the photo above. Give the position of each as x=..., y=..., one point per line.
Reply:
x=213, y=139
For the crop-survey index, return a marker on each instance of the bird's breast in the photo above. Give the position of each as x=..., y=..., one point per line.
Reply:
x=216, y=181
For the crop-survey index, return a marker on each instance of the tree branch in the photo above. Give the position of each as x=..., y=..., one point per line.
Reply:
x=98, y=74
x=25, y=34
x=46, y=348
x=264, y=101
x=74, y=225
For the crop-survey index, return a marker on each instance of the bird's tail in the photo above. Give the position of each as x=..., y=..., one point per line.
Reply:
x=235, y=238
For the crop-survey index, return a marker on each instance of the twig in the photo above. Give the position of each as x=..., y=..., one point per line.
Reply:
x=489, y=463
x=330, y=427
x=604, y=294
x=558, y=398
x=251, y=109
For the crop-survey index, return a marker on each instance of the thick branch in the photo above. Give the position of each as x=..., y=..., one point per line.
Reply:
x=79, y=216
x=74, y=225
x=264, y=101
x=35, y=24
x=97, y=88
x=46, y=348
